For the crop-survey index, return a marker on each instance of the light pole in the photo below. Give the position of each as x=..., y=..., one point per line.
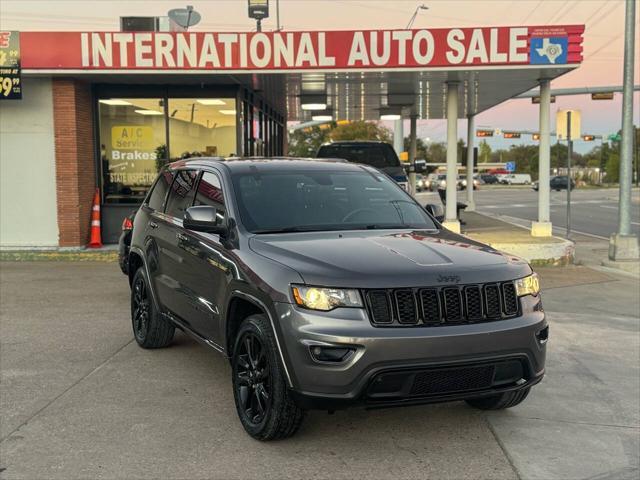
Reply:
x=623, y=245
x=415, y=14
x=258, y=9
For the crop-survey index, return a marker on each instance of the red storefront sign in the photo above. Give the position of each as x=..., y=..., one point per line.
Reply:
x=276, y=51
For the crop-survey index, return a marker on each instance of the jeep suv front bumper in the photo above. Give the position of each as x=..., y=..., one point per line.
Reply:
x=408, y=365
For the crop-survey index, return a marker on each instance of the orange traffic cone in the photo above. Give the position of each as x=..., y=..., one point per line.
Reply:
x=95, y=241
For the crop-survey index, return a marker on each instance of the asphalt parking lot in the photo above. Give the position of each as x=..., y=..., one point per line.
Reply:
x=594, y=211
x=79, y=399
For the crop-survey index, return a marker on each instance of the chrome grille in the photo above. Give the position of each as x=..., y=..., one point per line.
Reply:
x=442, y=305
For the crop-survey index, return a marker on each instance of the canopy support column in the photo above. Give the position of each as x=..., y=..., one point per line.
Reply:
x=398, y=136
x=471, y=205
x=543, y=227
x=413, y=151
x=451, y=215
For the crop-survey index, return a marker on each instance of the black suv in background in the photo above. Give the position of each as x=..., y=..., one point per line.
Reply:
x=326, y=285
x=557, y=183
x=379, y=155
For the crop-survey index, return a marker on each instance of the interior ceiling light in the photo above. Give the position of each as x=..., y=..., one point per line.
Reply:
x=227, y=112
x=114, y=101
x=314, y=106
x=149, y=112
x=390, y=113
x=322, y=118
x=210, y=101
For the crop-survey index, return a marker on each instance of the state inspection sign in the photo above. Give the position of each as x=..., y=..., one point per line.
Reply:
x=10, y=81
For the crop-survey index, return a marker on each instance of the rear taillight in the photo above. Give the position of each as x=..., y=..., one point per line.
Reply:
x=127, y=224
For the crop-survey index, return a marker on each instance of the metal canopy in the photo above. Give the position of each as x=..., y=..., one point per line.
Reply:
x=362, y=95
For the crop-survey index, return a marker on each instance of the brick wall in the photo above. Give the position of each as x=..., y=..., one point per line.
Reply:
x=75, y=164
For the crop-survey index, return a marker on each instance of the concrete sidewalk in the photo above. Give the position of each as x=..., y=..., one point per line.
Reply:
x=517, y=240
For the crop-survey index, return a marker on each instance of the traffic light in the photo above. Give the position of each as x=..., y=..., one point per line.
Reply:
x=511, y=134
x=484, y=133
x=588, y=138
x=602, y=96
x=536, y=100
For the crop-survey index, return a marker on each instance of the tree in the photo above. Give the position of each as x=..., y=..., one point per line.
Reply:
x=306, y=141
x=421, y=147
x=484, y=152
x=437, y=152
x=361, y=130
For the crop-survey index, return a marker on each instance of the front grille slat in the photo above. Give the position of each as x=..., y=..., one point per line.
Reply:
x=430, y=304
x=433, y=306
x=510, y=298
x=452, y=304
x=492, y=300
x=473, y=302
x=406, y=306
x=379, y=306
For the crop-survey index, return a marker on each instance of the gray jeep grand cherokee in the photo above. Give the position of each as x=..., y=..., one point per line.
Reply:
x=326, y=285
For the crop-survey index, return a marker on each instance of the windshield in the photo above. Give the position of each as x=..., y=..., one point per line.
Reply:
x=272, y=202
x=378, y=155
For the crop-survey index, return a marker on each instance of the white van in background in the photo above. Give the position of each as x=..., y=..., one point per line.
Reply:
x=516, y=179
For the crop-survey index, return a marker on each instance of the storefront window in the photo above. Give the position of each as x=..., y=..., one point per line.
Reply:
x=133, y=139
x=202, y=127
x=133, y=146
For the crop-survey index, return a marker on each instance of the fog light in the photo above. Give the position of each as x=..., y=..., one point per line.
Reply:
x=330, y=354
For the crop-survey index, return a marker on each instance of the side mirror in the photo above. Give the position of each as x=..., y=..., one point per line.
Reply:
x=435, y=210
x=204, y=218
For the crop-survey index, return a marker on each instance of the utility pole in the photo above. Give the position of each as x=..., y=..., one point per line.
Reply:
x=569, y=152
x=624, y=244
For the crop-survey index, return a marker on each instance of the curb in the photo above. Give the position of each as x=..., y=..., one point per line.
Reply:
x=560, y=252
x=59, y=256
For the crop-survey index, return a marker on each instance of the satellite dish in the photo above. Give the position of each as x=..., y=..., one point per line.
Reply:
x=185, y=17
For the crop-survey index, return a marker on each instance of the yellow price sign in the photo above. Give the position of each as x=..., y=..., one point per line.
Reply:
x=132, y=137
x=9, y=85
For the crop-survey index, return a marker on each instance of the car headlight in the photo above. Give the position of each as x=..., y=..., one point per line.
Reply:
x=443, y=183
x=464, y=183
x=528, y=285
x=325, y=299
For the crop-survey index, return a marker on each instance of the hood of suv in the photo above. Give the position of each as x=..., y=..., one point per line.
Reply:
x=390, y=258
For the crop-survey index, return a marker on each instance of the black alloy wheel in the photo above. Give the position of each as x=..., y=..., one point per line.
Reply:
x=140, y=308
x=150, y=328
x=263, y=401
x=252, y=379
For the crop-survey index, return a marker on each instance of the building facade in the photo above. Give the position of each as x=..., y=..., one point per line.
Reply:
x=106, y=110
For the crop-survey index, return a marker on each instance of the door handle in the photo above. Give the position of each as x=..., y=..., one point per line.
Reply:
x=182, y=237
x=153, y=224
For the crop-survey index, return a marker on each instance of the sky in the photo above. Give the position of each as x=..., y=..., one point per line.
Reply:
x=603, y=44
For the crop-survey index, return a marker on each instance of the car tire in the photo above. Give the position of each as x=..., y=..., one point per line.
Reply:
x=150, y=328
x=499, y=402
x=264, y=405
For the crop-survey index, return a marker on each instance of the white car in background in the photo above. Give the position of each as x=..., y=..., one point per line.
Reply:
x=516, y=179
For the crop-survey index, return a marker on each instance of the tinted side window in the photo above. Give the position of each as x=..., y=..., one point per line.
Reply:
x=159, y=192
x=210, y=192
x=182, y=193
